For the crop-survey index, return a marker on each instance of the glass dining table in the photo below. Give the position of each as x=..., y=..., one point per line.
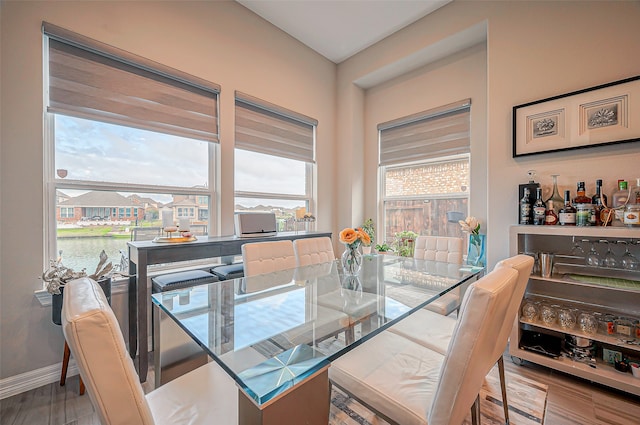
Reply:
x=276, y=334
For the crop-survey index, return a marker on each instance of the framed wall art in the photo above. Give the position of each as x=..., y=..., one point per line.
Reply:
x=601, y=115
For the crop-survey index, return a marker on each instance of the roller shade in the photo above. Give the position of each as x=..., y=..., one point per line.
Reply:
x=90, y=79
x=269, y=129
x=435, y=133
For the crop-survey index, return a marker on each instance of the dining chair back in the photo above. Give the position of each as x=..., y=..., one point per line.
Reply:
x=267, y=257
x=92, y=331
x=313, y=251
x=470, y=354
x=442, y=249
x=439, y=248
x=409, y=383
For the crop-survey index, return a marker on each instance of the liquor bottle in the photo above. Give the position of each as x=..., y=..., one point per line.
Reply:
x=619, y=199
x=635, y=193
x=555, y=201
x=539, y=209
x=525, y=208
x=567, y=215
x=581, y=198
x=598, y=205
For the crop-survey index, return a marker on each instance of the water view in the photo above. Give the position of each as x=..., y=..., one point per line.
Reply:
x=79, y=253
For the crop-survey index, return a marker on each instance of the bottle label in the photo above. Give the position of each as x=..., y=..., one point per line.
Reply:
x=550, y=218
x=525, y=214
x=538, y=213
x=567, y=218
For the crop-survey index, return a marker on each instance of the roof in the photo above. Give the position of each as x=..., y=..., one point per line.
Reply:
x=100, y=199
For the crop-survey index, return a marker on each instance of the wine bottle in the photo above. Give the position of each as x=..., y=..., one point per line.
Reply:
x=539, y=209
x=567, y=215
x=525, y=207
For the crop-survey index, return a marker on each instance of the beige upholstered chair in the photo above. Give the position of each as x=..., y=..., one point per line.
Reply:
x=267, y=257
x=313, y=251
x=409, y=383
x=444, y=249
x=438, y=336
x=204, y=396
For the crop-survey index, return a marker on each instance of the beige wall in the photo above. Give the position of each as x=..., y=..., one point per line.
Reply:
x=219, y=41
x=533, y=50
x=457, y=77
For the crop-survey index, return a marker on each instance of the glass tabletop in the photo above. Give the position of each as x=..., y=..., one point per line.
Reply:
x=272, y=331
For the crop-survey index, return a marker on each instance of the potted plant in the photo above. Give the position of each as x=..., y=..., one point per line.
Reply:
x=57, y=276
x=369, y=228
x=404, y=243
x=383, y=248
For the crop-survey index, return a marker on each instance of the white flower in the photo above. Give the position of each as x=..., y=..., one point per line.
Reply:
x=470, y=225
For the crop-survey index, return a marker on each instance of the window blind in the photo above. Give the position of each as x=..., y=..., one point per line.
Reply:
x=437, y=132
x=269, y=129
x=90, y=79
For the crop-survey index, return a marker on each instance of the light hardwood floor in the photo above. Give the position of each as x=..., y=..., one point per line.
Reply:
x=570, y=401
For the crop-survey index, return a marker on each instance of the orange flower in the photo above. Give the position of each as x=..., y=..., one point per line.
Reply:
x=348, y=235
x=364, y=236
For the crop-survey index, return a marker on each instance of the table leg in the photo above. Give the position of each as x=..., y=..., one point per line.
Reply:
x=307, y=403
x=142, y=302
x=133, y=309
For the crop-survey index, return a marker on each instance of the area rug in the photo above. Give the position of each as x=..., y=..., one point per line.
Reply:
x=527, y=402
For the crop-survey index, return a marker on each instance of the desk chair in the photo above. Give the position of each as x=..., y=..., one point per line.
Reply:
x=267, y=257
x=438, y=335
x=204, y=396
x=408, y=383
x=448, y=250
x=313, y=251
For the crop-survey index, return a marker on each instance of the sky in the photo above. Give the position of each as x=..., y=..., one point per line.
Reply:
x=96, y=151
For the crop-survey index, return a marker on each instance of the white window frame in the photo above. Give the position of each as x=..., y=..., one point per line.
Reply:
x=52, y=183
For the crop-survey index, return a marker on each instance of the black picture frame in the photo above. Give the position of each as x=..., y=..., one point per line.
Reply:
x=596, y=116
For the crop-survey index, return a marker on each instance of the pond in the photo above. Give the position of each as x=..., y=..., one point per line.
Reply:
x=78, y=253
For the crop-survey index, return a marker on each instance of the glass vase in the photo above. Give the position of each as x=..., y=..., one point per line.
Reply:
x=476, y=255
x=351, y=260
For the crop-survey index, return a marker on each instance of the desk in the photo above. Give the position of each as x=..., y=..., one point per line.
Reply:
x=146, y=253
x=275, y=334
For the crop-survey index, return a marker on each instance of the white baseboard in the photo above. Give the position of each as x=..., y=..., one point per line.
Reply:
x=34, y=378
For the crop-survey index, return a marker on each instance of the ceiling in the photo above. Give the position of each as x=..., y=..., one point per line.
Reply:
x=338, y=29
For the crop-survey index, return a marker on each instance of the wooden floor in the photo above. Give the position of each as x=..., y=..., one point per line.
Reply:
x=570, y=401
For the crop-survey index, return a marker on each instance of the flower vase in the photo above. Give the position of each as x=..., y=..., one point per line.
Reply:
x=351, y=260
x=476, y=255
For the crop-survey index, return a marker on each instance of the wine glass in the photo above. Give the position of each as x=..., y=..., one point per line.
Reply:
x=629, y=261
x=610, y=259
x=576, y=249
x=593, y=258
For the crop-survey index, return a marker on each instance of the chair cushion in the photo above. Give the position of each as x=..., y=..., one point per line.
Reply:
x=427, y=328
x=327, y=322
x=393, y=374
x=229, y=271
x=356, y=304
x=446, y=304
x=185, y=279
x=203, y=396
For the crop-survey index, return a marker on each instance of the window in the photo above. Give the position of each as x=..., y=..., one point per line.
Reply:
x=274, y=160
x=424, y=171
x=125, y=138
